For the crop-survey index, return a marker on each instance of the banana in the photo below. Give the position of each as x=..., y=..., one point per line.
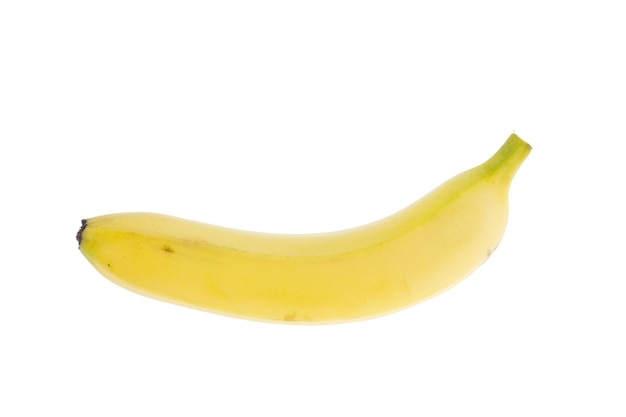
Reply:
x=334, y=277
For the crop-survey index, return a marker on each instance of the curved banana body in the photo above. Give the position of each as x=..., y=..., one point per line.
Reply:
x=320, y=278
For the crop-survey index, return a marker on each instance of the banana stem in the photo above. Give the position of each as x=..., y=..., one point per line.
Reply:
x=507, y=160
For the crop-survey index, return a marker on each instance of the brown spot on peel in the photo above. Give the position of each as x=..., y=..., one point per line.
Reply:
x=291, y=316
x=167, y=248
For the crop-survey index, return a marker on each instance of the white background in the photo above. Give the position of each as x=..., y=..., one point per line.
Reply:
x=293, y=116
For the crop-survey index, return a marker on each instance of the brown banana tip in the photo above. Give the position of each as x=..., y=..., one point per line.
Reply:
x=79, y=235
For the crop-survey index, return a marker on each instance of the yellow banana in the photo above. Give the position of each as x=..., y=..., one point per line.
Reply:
x=333, y=277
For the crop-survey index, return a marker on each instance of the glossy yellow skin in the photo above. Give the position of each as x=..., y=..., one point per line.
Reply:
x=321, y=278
